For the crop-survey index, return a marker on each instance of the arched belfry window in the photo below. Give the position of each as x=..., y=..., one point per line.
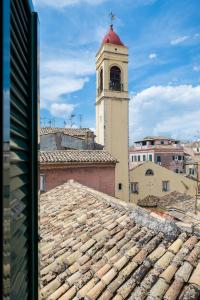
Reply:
x=149, y=172
x=115, y=78
x=101, y=80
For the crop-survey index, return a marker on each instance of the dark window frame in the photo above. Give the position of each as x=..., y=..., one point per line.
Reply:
x=135, y=187
x=120, y=186
x=149, y=172
x=165, y=186
x=115, y=83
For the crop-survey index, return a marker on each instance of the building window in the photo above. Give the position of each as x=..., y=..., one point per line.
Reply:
x=120, y=186
x=150, y=157
x=162, y=142
x=165, y=186
x=42, y=183
x=135, y=158
x=115, y=78
x=132, y=158
x=134, y=187
x=149, y=172
x=191, y=171
x=144, y=157
x=138, y=157
x=158, y=158
x=179, y=157
x=173, y=157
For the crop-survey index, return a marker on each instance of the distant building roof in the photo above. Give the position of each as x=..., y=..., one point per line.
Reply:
x=153, y=138
x=70, y=131
x=93, y=246
x=174, y=200
x=193, y=161
x=158, y=147
x=76, y=156
x=149, y=201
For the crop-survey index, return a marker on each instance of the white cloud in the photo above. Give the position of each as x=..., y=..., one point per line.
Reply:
x=196, y=68
x=187, y=125
x=165, y=110
x=53, y=87
x=64, y=3
x=196, y=35
x=61, y=76
x=152, y=55
x=61, y=109
x=73, y=66
x=179, y=40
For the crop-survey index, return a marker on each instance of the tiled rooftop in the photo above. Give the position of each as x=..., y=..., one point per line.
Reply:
x=76, y=156
x=172, y=200
x=178, y=200
x=149, y=201
x=70, y=131
x=94, y=246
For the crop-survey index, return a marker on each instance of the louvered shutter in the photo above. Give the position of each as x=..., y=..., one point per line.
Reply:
x=23, y=151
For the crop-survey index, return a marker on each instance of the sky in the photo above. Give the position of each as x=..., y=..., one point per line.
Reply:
x=163, y=37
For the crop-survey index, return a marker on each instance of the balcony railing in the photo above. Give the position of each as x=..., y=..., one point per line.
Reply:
x=116, y=86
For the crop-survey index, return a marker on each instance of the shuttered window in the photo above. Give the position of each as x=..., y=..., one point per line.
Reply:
x=21, y=150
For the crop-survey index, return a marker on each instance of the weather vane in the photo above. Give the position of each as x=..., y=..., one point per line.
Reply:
x=112, y=18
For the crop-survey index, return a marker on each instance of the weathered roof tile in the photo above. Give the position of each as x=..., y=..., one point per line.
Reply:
x=174, y=290
x=92, y=248
x=69, y=131
x=195, y=278
x=76, y=156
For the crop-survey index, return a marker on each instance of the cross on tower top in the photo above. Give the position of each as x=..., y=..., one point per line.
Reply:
x=112, y=18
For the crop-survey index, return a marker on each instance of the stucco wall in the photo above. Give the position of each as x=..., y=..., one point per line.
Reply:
x=101, y=178
x=166, y=158
x=152, y=185
x=112, y=113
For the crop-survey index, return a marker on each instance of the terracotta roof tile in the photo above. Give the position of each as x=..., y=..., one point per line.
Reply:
x=190, y=292
x=76, y=156
x=158, y=290
x=168, y=273
x=69, y=131
x=195, y=278
x=174, y=290
x=92, y=248
x=106, y=295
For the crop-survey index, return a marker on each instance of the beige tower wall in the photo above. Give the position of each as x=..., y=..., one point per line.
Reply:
x=112, y=113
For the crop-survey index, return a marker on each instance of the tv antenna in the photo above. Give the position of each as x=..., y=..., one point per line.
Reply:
x=72, y=116
x=80, y=119
x=197, y=136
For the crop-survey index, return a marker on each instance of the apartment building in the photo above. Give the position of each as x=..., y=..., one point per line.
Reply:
x=163, y=151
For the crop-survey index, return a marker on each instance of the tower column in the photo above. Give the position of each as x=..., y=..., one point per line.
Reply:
x=112, y=106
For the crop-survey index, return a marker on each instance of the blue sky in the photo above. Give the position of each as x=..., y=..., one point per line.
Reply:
x=163, y=37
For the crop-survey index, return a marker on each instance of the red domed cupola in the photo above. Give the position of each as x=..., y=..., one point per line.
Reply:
x=112, y=38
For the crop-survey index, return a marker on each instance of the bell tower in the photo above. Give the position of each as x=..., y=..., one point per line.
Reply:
x=112, y=106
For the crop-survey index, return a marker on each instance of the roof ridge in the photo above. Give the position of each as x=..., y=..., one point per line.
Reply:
x=140, y=215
